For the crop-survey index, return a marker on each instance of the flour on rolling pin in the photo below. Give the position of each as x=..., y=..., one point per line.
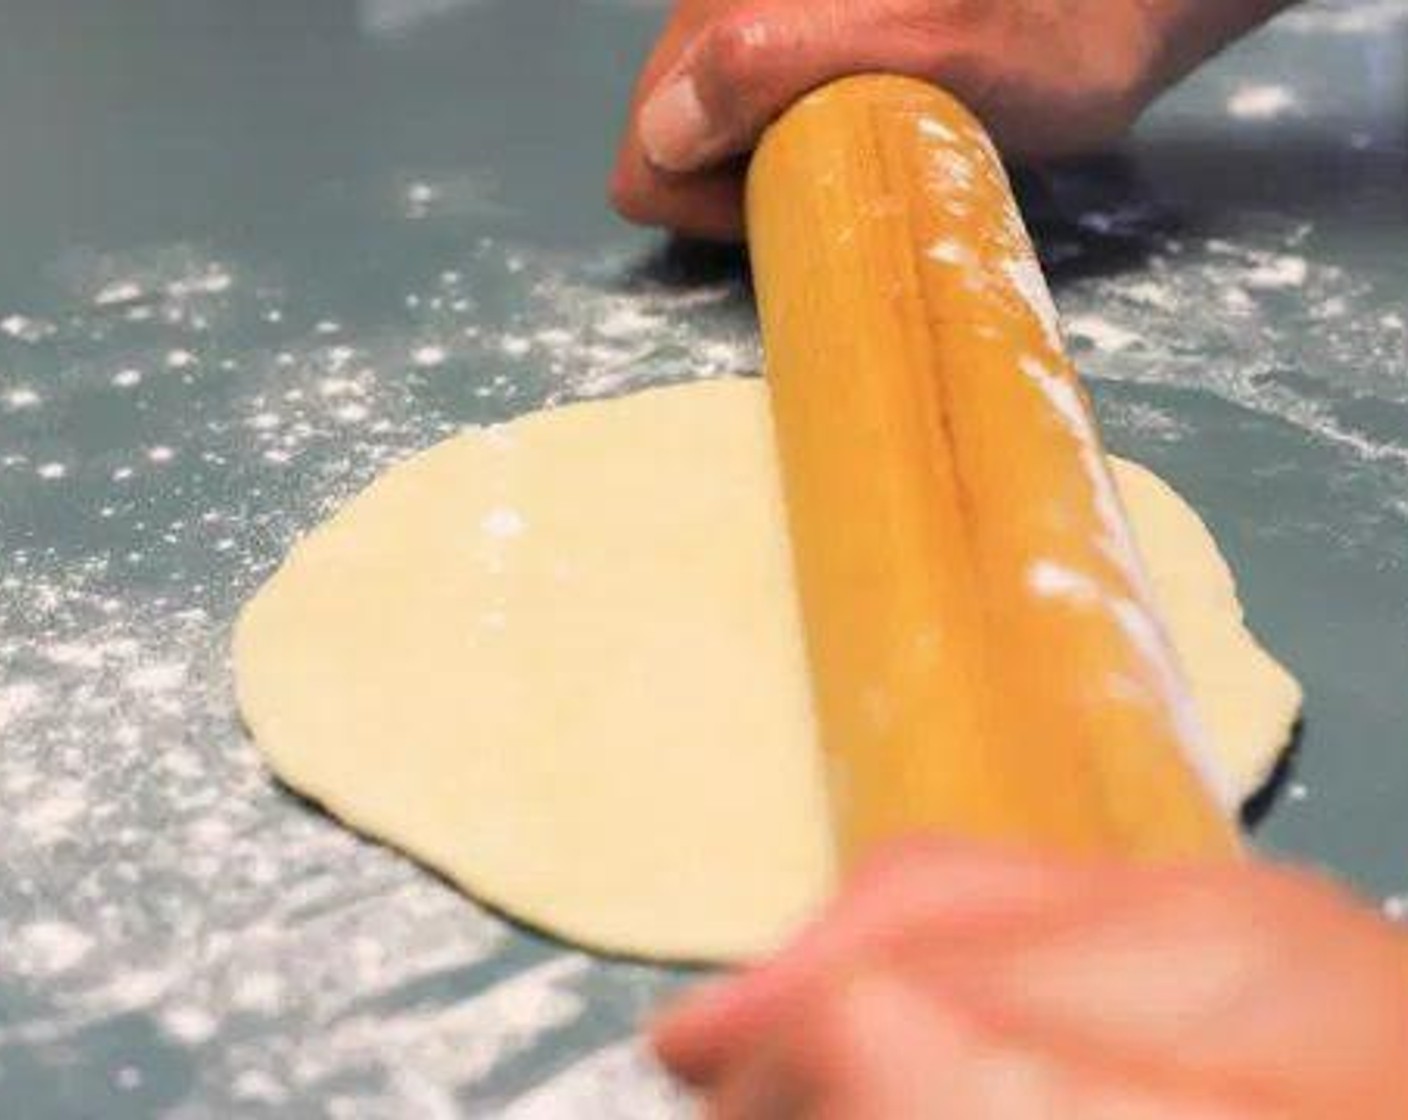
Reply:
x=955, y=175
x=923, y=396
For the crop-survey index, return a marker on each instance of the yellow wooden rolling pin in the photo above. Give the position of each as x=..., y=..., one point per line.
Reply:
x=985, y=655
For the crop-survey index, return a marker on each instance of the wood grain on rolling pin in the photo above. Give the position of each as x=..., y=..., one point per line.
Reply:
x=985, y=654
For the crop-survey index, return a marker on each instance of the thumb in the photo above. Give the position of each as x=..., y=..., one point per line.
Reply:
x=748, y=65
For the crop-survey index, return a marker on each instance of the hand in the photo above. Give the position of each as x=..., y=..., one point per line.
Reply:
x=1048, y=77
x=958, y=981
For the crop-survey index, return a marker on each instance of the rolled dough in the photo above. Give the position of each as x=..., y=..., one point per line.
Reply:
x=560, y=661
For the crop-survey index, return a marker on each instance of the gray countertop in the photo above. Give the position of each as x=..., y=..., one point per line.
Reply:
x=255, y=252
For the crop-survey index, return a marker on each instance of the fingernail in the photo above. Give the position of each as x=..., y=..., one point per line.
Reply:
x=673, y=127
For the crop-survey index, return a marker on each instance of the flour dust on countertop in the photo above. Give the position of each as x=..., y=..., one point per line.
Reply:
x=183, y=938
x=180, y=934
x=177, y=927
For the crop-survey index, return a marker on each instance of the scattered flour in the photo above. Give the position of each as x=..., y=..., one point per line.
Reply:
x=503, y=523
x=122, y=759
x=1101, y=333
x=162, y=676
x=124, y=773
x=1298, y=367
x=118, y=292
x=15, y=700
x=1261, y=102
x=617, y=1082
x=21, y=398
x=1277, y=272
x=1354, y=17
x=27, y=329
x=54, y=814
x=190, y=1025
x=428, y=357
x=46, y=948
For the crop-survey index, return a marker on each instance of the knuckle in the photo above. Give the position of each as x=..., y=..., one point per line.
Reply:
x=1117, y=80
x=733, y=47
x=937, y=33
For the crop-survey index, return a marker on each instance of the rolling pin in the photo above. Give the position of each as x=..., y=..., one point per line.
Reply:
x=985, y=655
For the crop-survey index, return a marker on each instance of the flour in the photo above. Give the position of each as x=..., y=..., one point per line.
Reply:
x=188, y=1024
x=954, y=172
x=935, y=129
x=1278, y=271
x=1355, y=17
x=213, y=279
x=1063, y=396
x=946, y=251
x=259, y=946
x=27, y=329
x=1101, y=333
x=628, y=321
x=21, y=398
x=52, y=814
x=15, y=700
x=351, y=413
x=1025, y=275
x=428, y=357
x=117, y=292
x=47, y=947
x=1049, y=578
x=1147, y=635
x=503, y=523
x=1052, y=580
x=1242, y=355
x=162, y=676
x=1261, y=102
x=618, y=1082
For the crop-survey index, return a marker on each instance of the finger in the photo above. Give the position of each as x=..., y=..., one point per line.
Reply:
x=954, y=891
x=743, y=62
x=882, y=1045
x=706, y=205
x=1212, y=977
x=866, y=1047
x=742, y=69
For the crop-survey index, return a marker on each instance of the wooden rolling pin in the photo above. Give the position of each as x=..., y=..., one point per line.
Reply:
x=985, y=655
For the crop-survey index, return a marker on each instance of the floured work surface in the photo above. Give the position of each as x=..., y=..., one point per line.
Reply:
x=1252, y=348
x=560, y=661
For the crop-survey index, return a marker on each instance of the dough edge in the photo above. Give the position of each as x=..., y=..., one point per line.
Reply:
x=308, y=771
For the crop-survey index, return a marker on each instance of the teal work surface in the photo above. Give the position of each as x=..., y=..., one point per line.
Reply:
x=255, y=252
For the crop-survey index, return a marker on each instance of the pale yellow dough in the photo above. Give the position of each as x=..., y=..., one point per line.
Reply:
x=560, y=662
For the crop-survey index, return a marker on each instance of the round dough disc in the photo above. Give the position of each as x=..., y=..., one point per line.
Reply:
x=560, y=662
